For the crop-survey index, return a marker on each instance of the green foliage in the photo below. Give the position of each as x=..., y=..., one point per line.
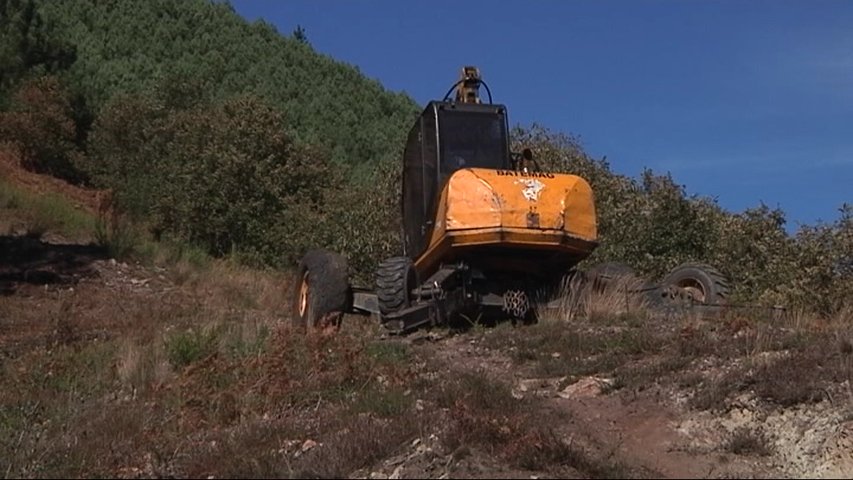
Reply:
x=225, y=176
x=653, y=225
x=757, y=253
x=39, y=125
x=363, y=221
x=328, y=102
x=117, y=235
x=44, y=212
x=188, y=347
x=29, y=47
x=823, y=278
x=299, y=34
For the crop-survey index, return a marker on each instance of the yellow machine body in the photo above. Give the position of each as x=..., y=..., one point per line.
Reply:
x=496, y=213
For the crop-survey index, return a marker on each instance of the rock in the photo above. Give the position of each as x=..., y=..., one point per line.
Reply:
x=537, y=386
x=586, y=387
x=306, y=445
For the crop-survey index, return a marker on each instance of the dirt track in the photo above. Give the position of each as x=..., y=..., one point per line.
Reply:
x=638, y=430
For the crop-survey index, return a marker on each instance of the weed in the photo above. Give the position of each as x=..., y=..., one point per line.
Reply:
x=477, y=391
x=358, y=442
x=187, y=347
x=243, y=342
x=388, y=352
x=383, y=402
x=141, y=366
x=250, y=450
x=803, y=377
x=713, y=394
x=748, y=441
x=540, y=448
x=116, y=235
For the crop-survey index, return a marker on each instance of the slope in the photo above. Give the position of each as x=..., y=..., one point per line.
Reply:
x=328, y=102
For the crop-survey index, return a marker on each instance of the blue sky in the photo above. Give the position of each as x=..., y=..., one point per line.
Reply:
x=742, y=101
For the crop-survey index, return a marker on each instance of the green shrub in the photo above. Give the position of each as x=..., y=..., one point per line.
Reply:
x=227, y=177
x=188, y=347
x=653, y=225
x=39, y=122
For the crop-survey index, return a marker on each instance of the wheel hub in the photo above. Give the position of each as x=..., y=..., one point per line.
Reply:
x=303, y=295
x=693, y=289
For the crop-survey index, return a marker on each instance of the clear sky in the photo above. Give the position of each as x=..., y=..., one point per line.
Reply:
x=742, y=101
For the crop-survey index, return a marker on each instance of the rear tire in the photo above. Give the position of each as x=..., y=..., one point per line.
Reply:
x=395, y=279
x=322, y=293
x=701, y=283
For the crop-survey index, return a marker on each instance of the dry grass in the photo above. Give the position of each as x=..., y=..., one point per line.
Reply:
x=794, y=360
x=783, y=358
x=483, y=415
x=92, y=386
x=621, y=297
x=577, y=348
x=748, y=441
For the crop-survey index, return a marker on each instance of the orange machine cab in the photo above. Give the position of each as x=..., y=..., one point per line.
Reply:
x=464, y=201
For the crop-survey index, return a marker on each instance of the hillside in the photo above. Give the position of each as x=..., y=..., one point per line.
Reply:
x=173, y=364
x=132, y=47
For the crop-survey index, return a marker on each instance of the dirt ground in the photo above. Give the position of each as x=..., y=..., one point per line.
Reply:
x=131, y=369
x=58, y=293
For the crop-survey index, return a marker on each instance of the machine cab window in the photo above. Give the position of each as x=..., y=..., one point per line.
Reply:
x=472, y=139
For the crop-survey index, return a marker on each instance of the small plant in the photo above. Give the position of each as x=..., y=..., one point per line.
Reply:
x=188, y=347
x=113, y=231
x=115, y=236
x=748, y=441
x=387, y=352
x=241, y=343
x=383, y=402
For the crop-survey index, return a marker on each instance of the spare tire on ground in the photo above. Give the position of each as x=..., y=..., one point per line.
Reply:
x=699, y=284
x=322, y=291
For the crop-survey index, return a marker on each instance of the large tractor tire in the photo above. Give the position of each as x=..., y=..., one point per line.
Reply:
x=700, y=283
x=395, y=279
x=322, y=293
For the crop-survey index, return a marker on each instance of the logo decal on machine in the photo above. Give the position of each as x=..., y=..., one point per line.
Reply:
x=513, y=173
x=532, y=188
